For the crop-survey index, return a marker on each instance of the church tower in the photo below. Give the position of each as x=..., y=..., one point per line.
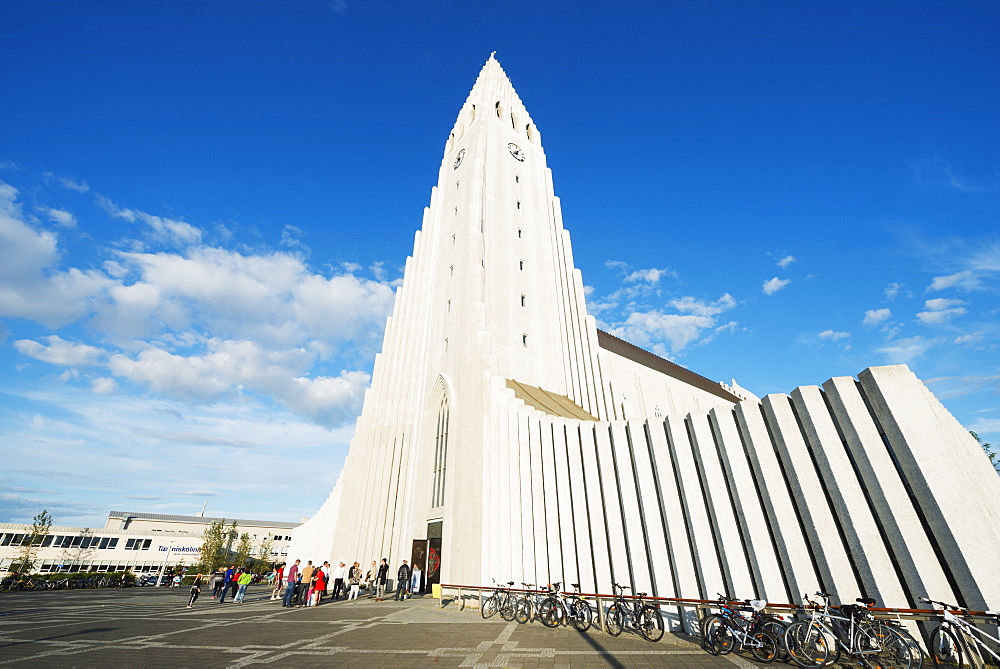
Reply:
x=504, y=436
x=490, y=292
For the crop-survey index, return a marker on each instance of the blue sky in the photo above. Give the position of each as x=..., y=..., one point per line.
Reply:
x=206, y=206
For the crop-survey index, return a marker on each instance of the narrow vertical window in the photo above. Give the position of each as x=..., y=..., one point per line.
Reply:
x=456, y=184
x=520, y=233
x=440, y=453
x=449, y=306
x=445, y=344
x=518, y=204
x=521, y=264
x=523, y=300
x=451, y=271
x=453, y=240
x=524, y=340
x=456, y=211
x=517, y=179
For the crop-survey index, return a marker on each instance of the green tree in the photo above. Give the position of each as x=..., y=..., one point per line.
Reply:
x=31, y=543
x=990, y=453
x=217, y=544
x=264, y=562
x=244, y=552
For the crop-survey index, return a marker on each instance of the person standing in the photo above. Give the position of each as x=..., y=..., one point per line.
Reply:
x=417, y=580
x=218, y=578
x=225, y=584
x=319, y=586
x=278, y=576
x=354, y=580
x=234, y=584
x=307, y=579
x=339, y=574
x=243, y=581
x=293, y=575
x=370, y=579
x=402, y=581
x=327, y=578
x=195, y=591
x=380, y=579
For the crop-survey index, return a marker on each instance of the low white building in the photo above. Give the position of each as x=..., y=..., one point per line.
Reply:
x=140, y=542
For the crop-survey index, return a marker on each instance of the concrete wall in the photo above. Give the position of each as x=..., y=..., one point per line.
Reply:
x=858, y=489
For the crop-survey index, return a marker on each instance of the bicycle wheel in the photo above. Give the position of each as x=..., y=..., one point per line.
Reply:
x=945, y=648
x=777, y=629
x=711, y=627
x=522, y=612
x=651, y=623
x=808, y=645
x=580, y=615
x=765, y=647
x=489, y=607
x=613, y=620
x=548, y=612
x=508, y=608
x=891, y=648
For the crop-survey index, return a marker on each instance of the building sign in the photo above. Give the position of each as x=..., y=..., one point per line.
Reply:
x=179, y=549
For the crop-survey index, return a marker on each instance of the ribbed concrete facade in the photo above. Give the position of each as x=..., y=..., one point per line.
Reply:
x=681, y=486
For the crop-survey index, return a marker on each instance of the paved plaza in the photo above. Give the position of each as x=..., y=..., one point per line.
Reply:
x=147, y=627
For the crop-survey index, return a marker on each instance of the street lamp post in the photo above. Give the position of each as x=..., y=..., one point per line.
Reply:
x=163, y=567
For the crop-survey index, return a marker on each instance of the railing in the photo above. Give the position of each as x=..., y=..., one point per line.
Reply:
x=699, y=606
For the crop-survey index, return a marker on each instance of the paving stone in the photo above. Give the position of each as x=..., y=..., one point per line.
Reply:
x=151, y=627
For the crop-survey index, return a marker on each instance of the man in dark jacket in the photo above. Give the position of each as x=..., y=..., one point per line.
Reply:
x=402, y=581
x=383, y=576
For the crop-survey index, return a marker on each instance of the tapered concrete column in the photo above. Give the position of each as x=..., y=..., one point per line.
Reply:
x=953, y=484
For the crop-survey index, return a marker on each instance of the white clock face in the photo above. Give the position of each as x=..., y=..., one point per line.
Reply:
x=459, y=159
x=515, y=151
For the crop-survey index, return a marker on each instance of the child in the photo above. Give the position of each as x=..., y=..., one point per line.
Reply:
x=195, y=591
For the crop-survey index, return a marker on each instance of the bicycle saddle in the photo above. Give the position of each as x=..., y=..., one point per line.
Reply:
x=575, y=585
x=867, y=601
x=510, y=582
x=641, y=594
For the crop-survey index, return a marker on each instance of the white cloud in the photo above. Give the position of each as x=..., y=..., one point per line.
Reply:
x=964, y=280
x=60, y=216
x=77, y=185
x=773, y=285
x=652, y=275
x=892, y=290
x=691, y=305
x=941, y=316
x=164, y=229
x=941, y=303
x=904, y=351
x=103, y=385
x=60, y=352
x=876, y=316
x=971, y=338
x=786, y=261
x=832, y=335
x=696, y=320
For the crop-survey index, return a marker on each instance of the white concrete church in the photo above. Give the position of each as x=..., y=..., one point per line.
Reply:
x=504, y=436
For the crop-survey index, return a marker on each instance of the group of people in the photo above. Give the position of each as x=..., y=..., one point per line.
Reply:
x=307, y=585
x=233, y=580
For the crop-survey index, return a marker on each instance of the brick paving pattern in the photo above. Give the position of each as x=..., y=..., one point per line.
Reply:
x=147, y=627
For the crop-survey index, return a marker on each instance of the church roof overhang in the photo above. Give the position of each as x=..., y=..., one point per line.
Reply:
x=621, y=347
x=548, y=402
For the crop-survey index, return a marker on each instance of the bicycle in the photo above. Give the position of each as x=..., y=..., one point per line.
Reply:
x=557, y=608
x=730, y=630
x=820, y=640
x=501, y=600
x=647, y=618
x=953, y=642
